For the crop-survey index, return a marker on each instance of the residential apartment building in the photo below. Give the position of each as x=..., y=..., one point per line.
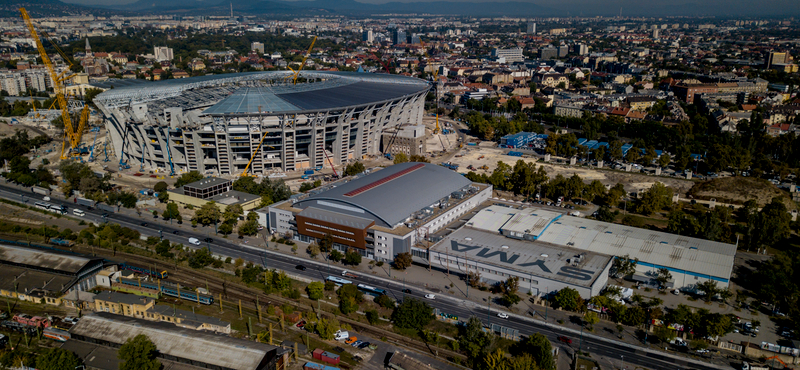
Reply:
x=511, y=55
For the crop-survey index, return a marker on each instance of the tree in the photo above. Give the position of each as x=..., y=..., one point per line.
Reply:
x=171, y=211
x=495, y=361
x=326, y=243
x=654, y=199
x=400, y=158
x=335, y=255
x=568, y=299
x=663, y=160
x=663, y=276
x=591, y=319
x=160, y=186
x=207, y=214
x=163, y=196
x=352, y=257
x=188, y=178
x=709, y=289
x=57, y=359
x=624, y=266
x=354, y=169
x=350, y=291
x=473, y=340
x=313, y=250
x=664, y=334
x=773, y=223
x=633, y=155
x=412, y=314
x=225, y=228
x=373, y=317
x=327, y=327
x=248, y=228
x=138, y=353
x=201, y=258
x=232, y=213
x=384, y=301
x=402, y=261
x=538, y=347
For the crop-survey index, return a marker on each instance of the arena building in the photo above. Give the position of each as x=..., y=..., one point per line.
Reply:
x=214, y=124
x=549, y=250
x=380, y=214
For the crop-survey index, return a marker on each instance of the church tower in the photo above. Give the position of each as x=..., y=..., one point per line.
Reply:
x=88, y=48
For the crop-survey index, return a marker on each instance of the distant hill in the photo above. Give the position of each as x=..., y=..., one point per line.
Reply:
x=48, y=8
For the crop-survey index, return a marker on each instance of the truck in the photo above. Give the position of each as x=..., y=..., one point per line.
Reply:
x=106, y=207
x=748, y=366
x=85, y=202
x=40, y=190
x=61, y=242
x=308, y=172
x=349, y=274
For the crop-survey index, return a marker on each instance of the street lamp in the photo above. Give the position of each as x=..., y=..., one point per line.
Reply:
x=622, y=361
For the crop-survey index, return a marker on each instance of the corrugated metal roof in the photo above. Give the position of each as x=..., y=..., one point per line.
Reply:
x=196, y=345
x=658, y=248
x=390, y=203
x=251, y=100
x=492, y=218
x=36, y=258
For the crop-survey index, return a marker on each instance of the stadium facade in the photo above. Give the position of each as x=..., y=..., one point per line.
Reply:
x=214, y=124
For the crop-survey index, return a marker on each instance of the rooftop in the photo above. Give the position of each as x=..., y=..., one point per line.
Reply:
x=203, y=347
x=528, y=257
x=233, y=197
x=122, y=298
x=207, y=183
x=391, y=195
x=40, y=259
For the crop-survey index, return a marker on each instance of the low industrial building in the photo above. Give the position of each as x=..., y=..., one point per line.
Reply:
x=380, y=214
x=409, y=140
x=44, y=276
x=542, y=268
x=213, y=189
x=145, y=308
x=180, y=345
x=549, y=250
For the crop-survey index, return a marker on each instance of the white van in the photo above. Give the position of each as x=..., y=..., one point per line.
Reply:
x=341, y=335
x=78, y=212
x=194, y=241
x=46, y=198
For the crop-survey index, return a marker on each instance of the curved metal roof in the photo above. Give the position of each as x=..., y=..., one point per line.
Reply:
x=269, y=91
x=391, y=195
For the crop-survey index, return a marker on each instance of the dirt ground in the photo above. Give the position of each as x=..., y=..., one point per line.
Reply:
x=489, y=154
x=738, y=190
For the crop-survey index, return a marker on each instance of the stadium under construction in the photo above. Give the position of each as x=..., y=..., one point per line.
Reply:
x=257, y=122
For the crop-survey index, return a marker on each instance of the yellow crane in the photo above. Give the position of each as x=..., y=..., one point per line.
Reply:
x=303, y=64
x=244, y=173
x=72, y=135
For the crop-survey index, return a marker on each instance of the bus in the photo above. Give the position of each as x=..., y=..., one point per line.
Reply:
x=57, y=209
x=371, y=290
x=338, y=281
x=41, y=205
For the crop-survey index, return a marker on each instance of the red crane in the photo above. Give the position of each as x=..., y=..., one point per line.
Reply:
x=385, y=66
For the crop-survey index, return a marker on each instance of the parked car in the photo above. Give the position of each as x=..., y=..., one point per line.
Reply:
x=356, y=343
x=301, y=324
x=350, y=340
x=363, y=345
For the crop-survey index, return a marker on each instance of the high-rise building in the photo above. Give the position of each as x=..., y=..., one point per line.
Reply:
x=531, y=28
x=563, y=50
x=511, y=55
x=163, y=53
x=415, y=39
x=580, y=49
x=655, y=34
x=549, y=52
x=257, y=46
x=399, y=37
x=775, y=58
x=368, y=36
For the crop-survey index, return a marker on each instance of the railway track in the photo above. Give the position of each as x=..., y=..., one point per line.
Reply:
x=232, y=291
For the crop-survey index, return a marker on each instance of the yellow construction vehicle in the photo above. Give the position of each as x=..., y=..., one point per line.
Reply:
x=303, y=64
x=72, y=135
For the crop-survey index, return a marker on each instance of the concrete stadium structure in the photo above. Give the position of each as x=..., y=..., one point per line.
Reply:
x=214, y=124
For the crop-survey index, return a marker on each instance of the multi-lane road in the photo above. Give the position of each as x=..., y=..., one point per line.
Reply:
x=632, y=355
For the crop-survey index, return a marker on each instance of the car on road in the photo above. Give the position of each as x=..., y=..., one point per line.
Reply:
x=208, y=240
x=564, y=339
x=144, y=224
x=407, y=291
x=241, y=236
x=430, y=296
x=502, y=315
x=300, y=267
x=176, y=232
x=702, y=351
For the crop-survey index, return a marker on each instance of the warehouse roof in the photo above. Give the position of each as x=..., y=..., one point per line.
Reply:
x=43, y=260
x=527, y=257
x=267, y=92
x=200, y=346
x=697, y=257
x=391, y=195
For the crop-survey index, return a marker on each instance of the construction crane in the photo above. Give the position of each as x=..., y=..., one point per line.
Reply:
x=72, y=135
x=303, y=64
x=244, y=173
x=385, y=66
x=91, y=154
